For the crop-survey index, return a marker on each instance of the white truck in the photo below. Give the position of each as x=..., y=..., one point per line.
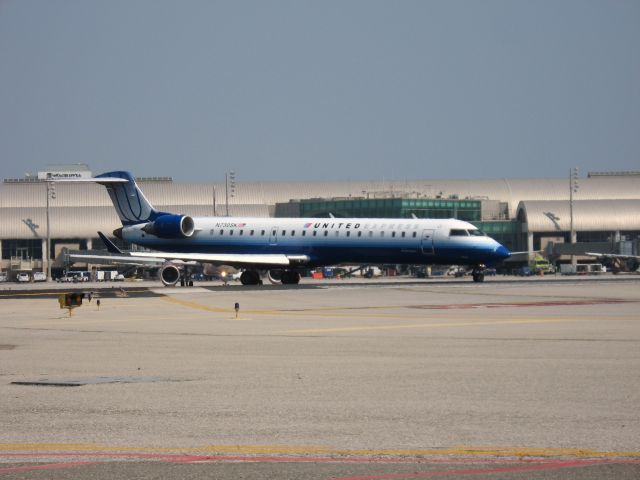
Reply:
x=582, y=269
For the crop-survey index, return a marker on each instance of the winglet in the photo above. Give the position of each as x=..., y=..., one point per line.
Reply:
x=111, y=247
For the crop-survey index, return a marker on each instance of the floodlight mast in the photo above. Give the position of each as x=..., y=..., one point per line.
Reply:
x=573, y=188
x=51, y=194
x=229, y=188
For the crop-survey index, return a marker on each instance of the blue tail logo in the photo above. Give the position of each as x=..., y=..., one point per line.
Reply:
x=130, y=203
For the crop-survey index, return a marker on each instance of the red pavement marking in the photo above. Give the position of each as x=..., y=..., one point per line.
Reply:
x=186, y=458
x=531, y=464
x=523, y=468
x=49, y=466
x=551, y=303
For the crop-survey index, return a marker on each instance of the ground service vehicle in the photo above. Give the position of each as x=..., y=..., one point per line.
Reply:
x=541, y=265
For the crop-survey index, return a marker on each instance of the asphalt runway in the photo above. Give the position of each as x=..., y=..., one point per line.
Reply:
x=519, y=380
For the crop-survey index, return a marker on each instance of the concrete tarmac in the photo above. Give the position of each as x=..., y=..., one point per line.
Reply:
x=534, y=379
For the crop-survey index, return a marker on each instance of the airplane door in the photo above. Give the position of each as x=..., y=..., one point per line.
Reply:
x=273, y=236
x=427, y=242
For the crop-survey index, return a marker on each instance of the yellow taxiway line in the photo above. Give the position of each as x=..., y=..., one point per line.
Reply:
x=459, y=450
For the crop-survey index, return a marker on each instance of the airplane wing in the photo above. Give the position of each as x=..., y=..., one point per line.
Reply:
x=123, y=259
x=522, y=256
x=613, y=255
x=234, y=259
x=159, y=258
x=617, y=262
x=238, y=260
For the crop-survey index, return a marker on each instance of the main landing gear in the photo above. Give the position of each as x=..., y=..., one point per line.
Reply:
x=250, y=277
x=478, y=273
x=286, y=277
x=290, y=277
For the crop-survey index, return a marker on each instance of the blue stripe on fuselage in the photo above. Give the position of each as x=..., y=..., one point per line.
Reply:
x=336, y=252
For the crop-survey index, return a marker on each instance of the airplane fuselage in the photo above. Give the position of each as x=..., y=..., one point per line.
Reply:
x=334, y=241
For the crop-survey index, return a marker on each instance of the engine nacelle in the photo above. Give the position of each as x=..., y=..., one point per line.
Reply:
x=169, y=274
x=171, y=226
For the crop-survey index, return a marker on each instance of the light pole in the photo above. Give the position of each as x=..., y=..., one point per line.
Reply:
x=215, y=214
x=573, y=188
x=51, y=194
x=229, y=188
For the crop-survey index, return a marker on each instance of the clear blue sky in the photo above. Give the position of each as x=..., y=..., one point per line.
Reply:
x=322, y=90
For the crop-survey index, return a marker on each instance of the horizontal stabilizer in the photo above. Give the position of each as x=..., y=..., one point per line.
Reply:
x=111, y=247
x=101, y=180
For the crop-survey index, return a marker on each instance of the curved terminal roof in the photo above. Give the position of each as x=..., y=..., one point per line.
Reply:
x=588, y=215
x=79, y=210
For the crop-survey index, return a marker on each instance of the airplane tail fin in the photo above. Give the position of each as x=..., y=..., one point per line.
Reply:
x=129, y=201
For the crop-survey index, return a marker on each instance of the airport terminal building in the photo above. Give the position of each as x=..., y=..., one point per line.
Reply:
x=523, y=214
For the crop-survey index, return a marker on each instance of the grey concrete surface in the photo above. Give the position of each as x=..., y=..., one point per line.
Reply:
x=456, y=370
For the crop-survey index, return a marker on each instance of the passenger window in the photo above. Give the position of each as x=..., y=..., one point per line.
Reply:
x=315, y=233
x=211, y=232
x=337, y=233
x=370, y=233
x=381, y=234
x=403, y=234
x=251, y=233
x=221, y=232
x=348, y=234
x=326, y=233
x=414, y=234
x=359, y=234
x=230, y=232
x=241, y=232
x=304, y=233
x=262, y=233
x=284, y=232
x=393, y=235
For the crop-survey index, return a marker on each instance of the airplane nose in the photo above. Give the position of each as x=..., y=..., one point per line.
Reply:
x=502, y=252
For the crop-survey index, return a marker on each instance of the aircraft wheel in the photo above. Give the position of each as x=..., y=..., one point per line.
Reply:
x=478, y=277
x=250, y=277
x=290, y=277
x=478, y=274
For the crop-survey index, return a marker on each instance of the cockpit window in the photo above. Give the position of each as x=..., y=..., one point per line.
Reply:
x=477, y=233
x=458, y=233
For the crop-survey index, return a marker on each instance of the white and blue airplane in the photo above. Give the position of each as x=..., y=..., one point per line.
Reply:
x=282, y=246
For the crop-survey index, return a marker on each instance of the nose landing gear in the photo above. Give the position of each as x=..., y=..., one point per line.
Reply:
x=478, y=273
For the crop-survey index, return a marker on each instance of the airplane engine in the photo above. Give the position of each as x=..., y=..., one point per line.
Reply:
x=169, y=274
x=171, y=226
